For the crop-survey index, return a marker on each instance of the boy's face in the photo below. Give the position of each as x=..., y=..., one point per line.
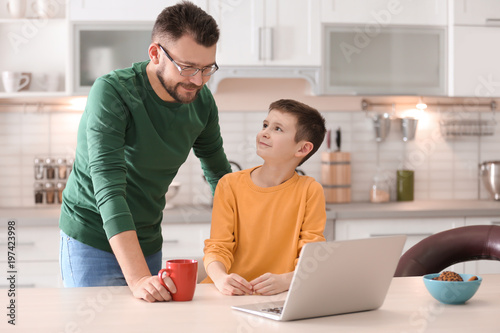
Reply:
x=276, y=139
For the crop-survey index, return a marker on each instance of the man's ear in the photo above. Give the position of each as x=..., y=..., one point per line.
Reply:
x=305, y=148
x=153, y=53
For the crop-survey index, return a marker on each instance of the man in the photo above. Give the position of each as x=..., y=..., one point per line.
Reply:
x=138, y=127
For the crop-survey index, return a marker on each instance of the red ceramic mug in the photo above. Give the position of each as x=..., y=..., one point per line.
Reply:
x=184, y=273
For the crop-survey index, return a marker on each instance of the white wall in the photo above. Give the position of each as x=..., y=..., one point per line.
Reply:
x=444, y=168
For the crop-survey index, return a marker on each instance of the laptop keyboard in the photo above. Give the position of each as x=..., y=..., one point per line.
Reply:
x=273, y=310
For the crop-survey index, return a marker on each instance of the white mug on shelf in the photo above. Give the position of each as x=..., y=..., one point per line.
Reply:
x=51, y=81
x=45, y=8
x=16, y=8
x=14, y=81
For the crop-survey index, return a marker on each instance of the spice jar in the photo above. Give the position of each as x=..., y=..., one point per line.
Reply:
x=380, y=191
x=38, y=193
x=38, y=168
x=70, y=165
x=50, y=193
x=60, y=187
x=62, y=168
x=50, y=171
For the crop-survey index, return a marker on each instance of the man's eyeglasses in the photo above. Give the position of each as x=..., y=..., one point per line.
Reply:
x=191, y=71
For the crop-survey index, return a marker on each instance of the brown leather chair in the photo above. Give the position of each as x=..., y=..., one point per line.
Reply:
x=436, y=252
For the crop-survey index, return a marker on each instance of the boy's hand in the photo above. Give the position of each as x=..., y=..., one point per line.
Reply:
x=271, y=284
x=233, y=284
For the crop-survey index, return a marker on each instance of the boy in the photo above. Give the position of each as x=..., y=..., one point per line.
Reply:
x=263, y=216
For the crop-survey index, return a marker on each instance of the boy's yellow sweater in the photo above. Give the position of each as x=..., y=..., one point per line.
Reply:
x=256, y=230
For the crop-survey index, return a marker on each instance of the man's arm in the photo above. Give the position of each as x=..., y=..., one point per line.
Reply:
x=128, y=252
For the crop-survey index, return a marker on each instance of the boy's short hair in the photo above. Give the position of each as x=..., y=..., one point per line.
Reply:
x=310, y=123
x=185, y=18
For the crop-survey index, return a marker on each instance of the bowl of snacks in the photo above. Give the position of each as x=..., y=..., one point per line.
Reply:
x=452, y=288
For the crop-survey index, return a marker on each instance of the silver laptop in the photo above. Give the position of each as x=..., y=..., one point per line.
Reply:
x=335, y=278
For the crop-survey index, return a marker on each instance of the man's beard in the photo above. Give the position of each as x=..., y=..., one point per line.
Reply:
x=172, y=90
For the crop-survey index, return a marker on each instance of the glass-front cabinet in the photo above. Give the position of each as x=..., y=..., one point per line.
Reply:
x=384, y=60
x=101, y=48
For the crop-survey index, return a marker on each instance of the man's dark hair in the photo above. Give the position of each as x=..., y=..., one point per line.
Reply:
x=310, y=123
x=185, y=18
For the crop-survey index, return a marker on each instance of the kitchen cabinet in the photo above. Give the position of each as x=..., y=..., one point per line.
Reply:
x=476, y=12
x=483, y=266
x=389, y=60
x=38, y=47
x=36, y=256
x=476, y=70
x=268, y=33
x=416, y=229
x=185, y=241
x=126, y=10
x=99, y=48
x=376, y=13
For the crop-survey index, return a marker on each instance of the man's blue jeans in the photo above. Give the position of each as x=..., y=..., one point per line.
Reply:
x=85, y=266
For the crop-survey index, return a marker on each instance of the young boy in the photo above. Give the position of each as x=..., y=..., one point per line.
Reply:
x=263, y=216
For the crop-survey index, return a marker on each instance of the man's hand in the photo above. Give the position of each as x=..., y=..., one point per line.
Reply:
x=271, y=284
x=150, y=289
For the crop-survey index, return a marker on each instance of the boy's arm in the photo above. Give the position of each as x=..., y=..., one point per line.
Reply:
x=219, y=248
x=314, y=222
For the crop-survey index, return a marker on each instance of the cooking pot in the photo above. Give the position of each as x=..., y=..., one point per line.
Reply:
x=490, y=173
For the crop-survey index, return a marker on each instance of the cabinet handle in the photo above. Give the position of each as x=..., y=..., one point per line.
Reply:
x=407, y=234
x=28, y=285
x=20, y=244
x=265, y=43
x=493, y=21
x=170, y=241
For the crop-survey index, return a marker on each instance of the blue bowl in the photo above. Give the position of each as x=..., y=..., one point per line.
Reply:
x=452, y=292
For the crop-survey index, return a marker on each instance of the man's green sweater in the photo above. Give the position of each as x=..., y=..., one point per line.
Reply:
x=130, y=147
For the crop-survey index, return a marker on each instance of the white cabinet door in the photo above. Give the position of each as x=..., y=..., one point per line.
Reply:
x=296, y=33
x=476, y=56
x=384, y=12
x=125, y=10
x=483, y=266
x=415, y=229
x=268, y=33
x=476, y=12
x=36, y=259
x=241, y=24
x=184, y=240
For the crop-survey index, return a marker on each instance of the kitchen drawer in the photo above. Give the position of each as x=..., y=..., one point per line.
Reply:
x=184, y=241
x=35, y=275
x=32, y=243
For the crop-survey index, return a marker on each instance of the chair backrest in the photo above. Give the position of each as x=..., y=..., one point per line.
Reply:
x=436, y=252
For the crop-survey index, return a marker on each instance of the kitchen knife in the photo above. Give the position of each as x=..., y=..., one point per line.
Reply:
x=338, y=139
x=329, y=140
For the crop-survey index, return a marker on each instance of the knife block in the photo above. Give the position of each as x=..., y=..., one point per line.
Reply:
x=336, y=176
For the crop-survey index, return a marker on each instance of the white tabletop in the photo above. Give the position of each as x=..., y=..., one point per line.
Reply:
x=407, y=308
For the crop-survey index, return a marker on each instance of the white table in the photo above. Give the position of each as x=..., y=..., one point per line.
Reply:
x=408, y=308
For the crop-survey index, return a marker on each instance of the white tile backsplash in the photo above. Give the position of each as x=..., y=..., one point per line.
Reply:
x=445, y=168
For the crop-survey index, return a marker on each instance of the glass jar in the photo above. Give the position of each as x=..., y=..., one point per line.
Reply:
x=60, y=187
x=380, y=190
x=50, y=193
x=62, y=168
x=50, y=171
x=38, y=168
x=38, y=193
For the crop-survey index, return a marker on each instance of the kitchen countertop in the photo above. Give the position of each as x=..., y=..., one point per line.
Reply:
x=49, y=216
x=408, y=307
